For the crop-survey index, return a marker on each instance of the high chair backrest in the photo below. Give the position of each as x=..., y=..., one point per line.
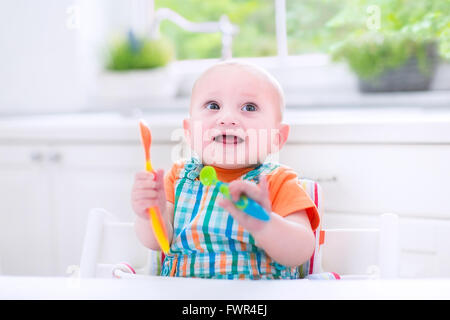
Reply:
x=314, y=264
x=352, y=253
x=361, y=253
x=109, y=243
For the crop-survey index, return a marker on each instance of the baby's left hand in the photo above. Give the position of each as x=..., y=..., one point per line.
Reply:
x=259, y=193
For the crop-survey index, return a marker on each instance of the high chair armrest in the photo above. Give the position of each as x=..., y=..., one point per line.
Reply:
x=92, y=241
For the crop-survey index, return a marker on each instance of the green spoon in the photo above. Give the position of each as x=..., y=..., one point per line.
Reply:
x=208, y=177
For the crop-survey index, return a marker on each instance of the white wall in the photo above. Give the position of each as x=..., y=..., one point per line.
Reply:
x=39, y=60
x=51, y=50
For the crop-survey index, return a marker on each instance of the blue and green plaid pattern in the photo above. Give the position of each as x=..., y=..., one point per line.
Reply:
x=208, y=242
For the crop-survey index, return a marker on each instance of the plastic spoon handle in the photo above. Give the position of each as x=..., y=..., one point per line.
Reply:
x=158, y=228
x=154, y=214
x=252, y=208
x=246, y=204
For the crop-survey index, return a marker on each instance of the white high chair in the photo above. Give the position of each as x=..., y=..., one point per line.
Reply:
x=111, y=248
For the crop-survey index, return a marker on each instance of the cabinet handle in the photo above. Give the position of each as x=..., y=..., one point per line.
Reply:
x=36, y=156
x=55, y=157
x=326, y=180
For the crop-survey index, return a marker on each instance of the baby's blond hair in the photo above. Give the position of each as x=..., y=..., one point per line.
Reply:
x=252, y=68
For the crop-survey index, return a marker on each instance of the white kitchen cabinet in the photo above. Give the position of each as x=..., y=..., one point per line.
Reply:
x=423, y=243
x=26, y=219
x=362, y=181
x=372, y=178
x=47, y=191
x=93, y=176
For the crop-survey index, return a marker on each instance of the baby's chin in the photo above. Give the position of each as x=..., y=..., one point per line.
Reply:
x=231, y=156
x=231, y=162
x=229, y=166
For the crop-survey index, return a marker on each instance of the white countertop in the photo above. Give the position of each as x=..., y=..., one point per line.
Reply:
x=361, y=125
x=153, y=287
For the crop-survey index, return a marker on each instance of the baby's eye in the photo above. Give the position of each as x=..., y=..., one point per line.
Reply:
x=249, y=107
x=212, y=106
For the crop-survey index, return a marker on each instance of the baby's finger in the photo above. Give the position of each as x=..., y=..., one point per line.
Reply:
x=264, y=189
x=142, y=210
x=246, y=221
x=258, y=193
x=144, y=175
x=159, y=175
x=239, y=187
x=144, y=194
x=146, y=184
x=263, y=184
x=144, y=204
x=159, y=178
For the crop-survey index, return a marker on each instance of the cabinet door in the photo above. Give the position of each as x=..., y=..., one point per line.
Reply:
x=94, y=176
x=26, y=224
x=362, y=181
x=423, y=242
x=408, y=180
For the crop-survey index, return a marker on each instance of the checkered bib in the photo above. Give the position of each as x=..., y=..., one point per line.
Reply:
x=208, y=242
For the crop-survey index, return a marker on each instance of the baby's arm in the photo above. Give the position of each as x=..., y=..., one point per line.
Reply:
x=144, y=230
x=148, y=191
x=288, y=240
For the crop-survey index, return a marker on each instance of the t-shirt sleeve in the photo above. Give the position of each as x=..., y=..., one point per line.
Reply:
x=169, y=180
x=287, y=196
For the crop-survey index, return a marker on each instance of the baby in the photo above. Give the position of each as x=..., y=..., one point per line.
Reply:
x=234, y=124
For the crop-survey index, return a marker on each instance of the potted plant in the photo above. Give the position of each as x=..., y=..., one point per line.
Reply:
x=137, y=71
x=393, y=46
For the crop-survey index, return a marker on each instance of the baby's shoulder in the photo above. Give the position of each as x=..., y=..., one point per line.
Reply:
x=174, y=171
x=275, y=169
x=179, y=164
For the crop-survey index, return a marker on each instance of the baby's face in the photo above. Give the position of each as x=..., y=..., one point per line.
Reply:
x=235, y=118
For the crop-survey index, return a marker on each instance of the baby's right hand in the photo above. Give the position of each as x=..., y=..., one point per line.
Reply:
x=148, y=191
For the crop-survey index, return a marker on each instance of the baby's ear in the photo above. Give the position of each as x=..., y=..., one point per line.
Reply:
x=282, y=135
x=187, y=130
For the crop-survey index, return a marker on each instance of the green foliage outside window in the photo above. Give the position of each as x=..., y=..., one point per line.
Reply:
x=255, y=18
x=306, y=23
x=407, y=28
x=342, y=28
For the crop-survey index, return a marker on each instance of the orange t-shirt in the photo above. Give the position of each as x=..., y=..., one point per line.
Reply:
x=286, y=194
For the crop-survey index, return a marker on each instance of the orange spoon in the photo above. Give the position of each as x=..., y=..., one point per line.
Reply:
x=153, y=212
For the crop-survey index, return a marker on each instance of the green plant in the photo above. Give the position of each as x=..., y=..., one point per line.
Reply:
x=131, y=53
x=406, y=29
x=372, y=55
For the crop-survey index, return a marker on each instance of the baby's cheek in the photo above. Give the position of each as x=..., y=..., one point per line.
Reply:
x=262, y=143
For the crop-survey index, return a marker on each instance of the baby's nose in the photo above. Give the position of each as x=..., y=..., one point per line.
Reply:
x=227, y=120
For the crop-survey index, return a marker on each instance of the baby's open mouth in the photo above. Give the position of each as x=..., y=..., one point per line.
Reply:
x=228, y=139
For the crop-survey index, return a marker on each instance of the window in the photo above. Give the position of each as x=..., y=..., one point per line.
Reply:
x=371, y=36
x=255, y=19
x=266, y=27
x=310, y=45
x=306, y=24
